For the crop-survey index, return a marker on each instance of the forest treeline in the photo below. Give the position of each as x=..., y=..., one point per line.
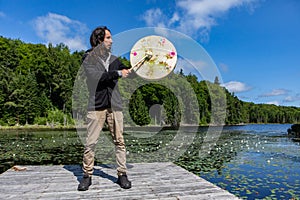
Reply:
x=37, y=83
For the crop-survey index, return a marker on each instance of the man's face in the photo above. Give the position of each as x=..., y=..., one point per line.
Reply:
x=107, y=40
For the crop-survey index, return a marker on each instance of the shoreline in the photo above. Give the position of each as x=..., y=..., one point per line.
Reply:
x=37, y=127
x=155, y=127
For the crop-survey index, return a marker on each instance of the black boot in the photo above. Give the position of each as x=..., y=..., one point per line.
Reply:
x=123, y=181
x=85, y=182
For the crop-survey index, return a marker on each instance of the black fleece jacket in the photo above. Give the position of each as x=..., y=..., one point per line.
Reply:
x=102, y=84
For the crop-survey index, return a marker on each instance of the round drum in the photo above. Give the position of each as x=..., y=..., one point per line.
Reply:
x=153, y=57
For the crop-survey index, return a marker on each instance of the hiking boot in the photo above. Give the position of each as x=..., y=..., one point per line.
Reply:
x=85, y=182
x=123, y=181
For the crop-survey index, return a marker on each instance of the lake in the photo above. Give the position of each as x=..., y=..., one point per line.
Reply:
x=250, y=161
x=266, y=165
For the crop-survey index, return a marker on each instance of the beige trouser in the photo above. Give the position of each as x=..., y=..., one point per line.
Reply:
x=96, y=120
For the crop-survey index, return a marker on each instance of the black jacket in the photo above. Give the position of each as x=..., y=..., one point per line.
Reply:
x=102, y=85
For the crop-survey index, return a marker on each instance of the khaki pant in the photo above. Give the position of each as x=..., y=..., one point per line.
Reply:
x=96, y=120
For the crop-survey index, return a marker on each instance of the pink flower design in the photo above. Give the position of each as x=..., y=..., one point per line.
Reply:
x=162, y=41
x=172, y=54
x=134, y=53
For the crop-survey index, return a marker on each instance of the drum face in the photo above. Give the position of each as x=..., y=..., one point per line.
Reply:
x=161, y=62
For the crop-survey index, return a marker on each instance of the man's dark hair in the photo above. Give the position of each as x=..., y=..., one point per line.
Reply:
x=98, y=35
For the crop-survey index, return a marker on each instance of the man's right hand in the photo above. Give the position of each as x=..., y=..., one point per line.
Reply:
x=125, y=73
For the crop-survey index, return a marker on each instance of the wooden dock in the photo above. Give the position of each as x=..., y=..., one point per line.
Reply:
x=149, y=181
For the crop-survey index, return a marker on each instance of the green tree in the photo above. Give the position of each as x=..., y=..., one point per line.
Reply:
x=38, y=81
x=172, y=110
x=216, y=81
x=138, y=110
x=23, y=99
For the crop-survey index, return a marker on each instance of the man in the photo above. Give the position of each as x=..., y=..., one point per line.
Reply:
x=102, y=71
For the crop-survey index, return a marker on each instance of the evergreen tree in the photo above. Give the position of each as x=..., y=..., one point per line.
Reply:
x=216, y=81
x=138, y=110
x=172, y=110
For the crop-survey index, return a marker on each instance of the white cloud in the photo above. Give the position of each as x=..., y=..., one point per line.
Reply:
x=2, y=14
x=277, y=103
x=236, y=86
x=55, y=29
x=155, y=18
x=174, y=19
x=292, y=98
x=275, y=92
x=289, y=99
x=195, y=17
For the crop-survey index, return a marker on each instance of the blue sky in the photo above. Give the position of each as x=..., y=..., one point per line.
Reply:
x=255, y=44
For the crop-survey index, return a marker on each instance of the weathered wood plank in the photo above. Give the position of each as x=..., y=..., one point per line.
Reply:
x=149, y=181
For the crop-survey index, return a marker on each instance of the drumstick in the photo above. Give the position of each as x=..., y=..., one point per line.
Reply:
x=140, y=63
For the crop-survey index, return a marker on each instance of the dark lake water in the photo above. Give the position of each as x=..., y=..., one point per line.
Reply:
x=251, y=161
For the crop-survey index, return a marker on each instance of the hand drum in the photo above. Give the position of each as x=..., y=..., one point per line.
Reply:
x=153, y=57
